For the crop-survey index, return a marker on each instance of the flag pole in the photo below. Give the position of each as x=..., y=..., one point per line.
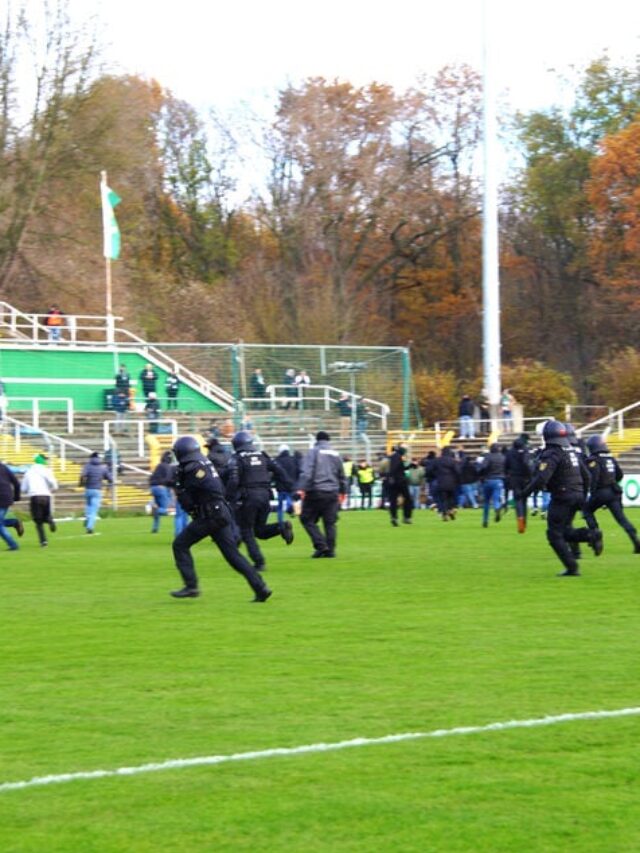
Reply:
x=108, y=287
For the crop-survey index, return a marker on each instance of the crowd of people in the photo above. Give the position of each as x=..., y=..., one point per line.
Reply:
x=226, y=494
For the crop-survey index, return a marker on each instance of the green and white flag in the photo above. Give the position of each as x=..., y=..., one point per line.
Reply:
x=109, y=223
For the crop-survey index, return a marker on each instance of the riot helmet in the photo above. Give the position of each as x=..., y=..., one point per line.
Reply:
x=554, y=432
x=187, y=448
x=596, y=444
x=241, y=439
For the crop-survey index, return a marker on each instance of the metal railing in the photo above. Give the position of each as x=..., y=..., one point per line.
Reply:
x=35, y=408
x=326, y=395
x=52, y=441
x=140, y=430
x=91, y=330
x=613, y=420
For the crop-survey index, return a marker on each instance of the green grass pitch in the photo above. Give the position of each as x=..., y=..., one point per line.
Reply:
x=423, y=627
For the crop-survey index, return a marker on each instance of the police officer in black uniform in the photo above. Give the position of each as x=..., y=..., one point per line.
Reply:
x=200, y=492
x=560, y=472
x=605, y=490
x=248, y=476
x=218, y=454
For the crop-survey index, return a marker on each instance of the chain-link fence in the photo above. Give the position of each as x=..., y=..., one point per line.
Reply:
x=376, y=373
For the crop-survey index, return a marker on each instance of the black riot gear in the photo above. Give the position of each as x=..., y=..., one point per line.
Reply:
x=201, y=493
x=596, y=444
x=553, y=431
x=187, y=448
x=241, y=439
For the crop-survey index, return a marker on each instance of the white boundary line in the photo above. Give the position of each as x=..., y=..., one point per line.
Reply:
x=179, y=763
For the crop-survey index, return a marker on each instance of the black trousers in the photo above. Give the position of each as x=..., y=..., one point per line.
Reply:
x=40, y=508
x=560, y=531
x=612, y=499
x=395, y=491
x=321, y=506
x=366, y=494
x=520, y=503
x=227, y=541
x=252, y=518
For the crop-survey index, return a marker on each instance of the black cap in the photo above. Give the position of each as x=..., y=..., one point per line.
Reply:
x=322, y=436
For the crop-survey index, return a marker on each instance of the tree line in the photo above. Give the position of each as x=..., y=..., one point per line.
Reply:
x=364, y=226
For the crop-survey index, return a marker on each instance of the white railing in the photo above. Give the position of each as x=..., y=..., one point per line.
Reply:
x=613, y=420
x=161, y=359
x=91, y=330
x=52, y=441
x=139, y=427
x=35, y=408
x=327, y=395
x=73, y=328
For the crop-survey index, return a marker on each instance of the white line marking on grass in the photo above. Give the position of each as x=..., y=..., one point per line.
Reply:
x=179, y=763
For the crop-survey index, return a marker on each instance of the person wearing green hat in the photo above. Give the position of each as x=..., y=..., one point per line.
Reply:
x=37, y=484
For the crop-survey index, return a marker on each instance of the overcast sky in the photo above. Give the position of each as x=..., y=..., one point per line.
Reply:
x=224, y=53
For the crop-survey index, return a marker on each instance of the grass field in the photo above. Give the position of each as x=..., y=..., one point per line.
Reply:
x=413, y=629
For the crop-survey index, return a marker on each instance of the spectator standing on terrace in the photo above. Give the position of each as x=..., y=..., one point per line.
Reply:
x=54, y=321
x=172, y=388
x=121, y=407
x=37, y=484
x=93, y=473
x=345, y=411
x=9, y=493
x=302, y=380
x=507, y=402
x=465, y=415
x=257, y=388
x=148, y=380
x=123, y=380
x=152, y=412
x=362, y=418
x=289, y=382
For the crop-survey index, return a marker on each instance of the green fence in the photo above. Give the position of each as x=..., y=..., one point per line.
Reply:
x=85, y=374
x=379, y=373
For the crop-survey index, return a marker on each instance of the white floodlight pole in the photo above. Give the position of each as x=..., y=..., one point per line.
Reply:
x=490, y=253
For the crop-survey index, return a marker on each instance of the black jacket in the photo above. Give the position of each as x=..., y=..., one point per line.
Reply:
x=290, y=465
x=561, y=472
x=447, y=472
x=253, y=470
x=9, y=487
x=162, y=474
x=604, y=472
x=518, y=464
x=493, y=466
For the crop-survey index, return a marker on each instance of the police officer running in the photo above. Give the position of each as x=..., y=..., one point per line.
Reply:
x=248, y=476
x=560, y=472
x=605, y=490
x=200, y=492
x=321, y=485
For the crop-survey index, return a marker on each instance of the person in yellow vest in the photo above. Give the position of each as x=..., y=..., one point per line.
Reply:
x=366, y=477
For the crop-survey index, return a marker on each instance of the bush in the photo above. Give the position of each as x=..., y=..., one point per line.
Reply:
x=540, y=390
x=617, y=378
x=437, y=394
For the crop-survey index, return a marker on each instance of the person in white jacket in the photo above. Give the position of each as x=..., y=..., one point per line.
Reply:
x=37, y=484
